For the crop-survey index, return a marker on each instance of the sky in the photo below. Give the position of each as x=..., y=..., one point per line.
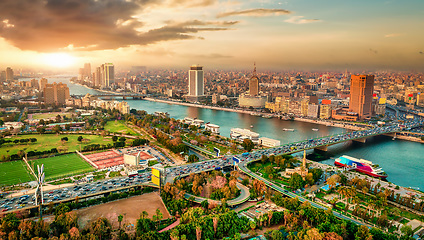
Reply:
x=228, y=34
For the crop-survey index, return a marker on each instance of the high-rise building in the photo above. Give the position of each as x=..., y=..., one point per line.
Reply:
x=361, y=90
x=56, y=93
x=108, y=74
x=2, y=75
x=42, y=84
x=195, y=81
x=97, y=78
x=87, y=70
x=254, y=84
x=34, y=83
x=9, y=74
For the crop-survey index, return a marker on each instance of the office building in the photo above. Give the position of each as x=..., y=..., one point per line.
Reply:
x=98, y=77
x=254, y=84
x=34, y=83
x=107, y=74
x=9, y=74
x=56, y=93
x=87, y=70
x=325, y=111
x=252, y=98
x=361, y=90
x=42, y=84
x=196, y=81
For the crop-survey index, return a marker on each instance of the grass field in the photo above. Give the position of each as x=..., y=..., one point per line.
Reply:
x=119, y=127
x=62, y=166
x=14, y=173
x=49, y=115
x=48, y=141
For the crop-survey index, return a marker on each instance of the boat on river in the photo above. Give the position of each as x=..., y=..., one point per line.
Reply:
x=360, y=165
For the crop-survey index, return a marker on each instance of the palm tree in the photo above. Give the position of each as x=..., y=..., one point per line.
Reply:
x=120, y=218
x=144, y=215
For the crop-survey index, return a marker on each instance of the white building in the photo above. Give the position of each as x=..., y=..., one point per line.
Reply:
x=195, y=81
x=212, y=127
x=268, y=142
x=241, y=134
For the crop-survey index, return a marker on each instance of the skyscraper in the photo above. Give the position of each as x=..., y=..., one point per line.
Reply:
x=108, y=74
x=98, y=77
x=254, y=84
x=56, y=93
x=9, y=74
x=361, y=90
x=87, y=70
x=42, y=84
x=196, y=81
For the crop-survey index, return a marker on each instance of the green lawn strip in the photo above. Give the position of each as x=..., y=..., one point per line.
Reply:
x=49, y=141
x=14, y=172
x=62, y=166
x=119, y=126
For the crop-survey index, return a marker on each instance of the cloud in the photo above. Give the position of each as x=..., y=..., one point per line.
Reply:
x=179, y=31
x=391, y=35
x=84, y=25
x=190, y=3
x=299, y=20
x=257, y=12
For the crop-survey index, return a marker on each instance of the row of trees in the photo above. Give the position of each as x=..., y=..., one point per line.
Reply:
x=16, y=141
x=21, y=153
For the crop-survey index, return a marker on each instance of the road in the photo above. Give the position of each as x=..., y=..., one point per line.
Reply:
x=243, y=197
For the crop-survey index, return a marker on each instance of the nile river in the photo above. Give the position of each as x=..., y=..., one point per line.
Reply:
x=402, y=160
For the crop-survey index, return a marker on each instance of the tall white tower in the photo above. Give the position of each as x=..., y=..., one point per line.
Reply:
x=108, y=74
x=196, y=81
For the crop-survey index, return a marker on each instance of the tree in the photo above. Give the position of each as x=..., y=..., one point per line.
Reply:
x=248, y=145
x=65, y=139
x=120, y=218
x=41, y=130
x=79, y=139
x=363, y=233
x=101, y=228
x=296, y=181
x=122, y=139
x=67, y=127
x=407, y=231
x=193, y=158
x=205, y=204
x=57, y=129
x=114, y=138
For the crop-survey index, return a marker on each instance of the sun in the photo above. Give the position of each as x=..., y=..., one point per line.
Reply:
x=58, y=59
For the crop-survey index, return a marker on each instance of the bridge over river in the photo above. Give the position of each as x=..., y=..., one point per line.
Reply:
x=318, y=143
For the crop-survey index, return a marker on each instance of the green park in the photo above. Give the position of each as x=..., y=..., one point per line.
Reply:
x=48, y=141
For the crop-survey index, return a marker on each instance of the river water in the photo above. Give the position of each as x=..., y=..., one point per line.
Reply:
x=403, y=161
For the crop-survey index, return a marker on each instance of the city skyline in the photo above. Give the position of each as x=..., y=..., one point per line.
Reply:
x=307, y=35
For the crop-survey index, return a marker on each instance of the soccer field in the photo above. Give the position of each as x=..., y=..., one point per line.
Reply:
x=14, y=173
x=55, y=167
x=62, y=166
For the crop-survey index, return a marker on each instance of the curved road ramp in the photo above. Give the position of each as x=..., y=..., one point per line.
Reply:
x=244, y=196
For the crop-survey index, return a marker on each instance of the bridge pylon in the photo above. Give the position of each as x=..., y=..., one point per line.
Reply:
x=322, y=148
x=361, y=140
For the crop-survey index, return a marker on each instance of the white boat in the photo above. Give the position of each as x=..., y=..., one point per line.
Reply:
x=315, y=129
x=288, y=129
x=251, y=126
